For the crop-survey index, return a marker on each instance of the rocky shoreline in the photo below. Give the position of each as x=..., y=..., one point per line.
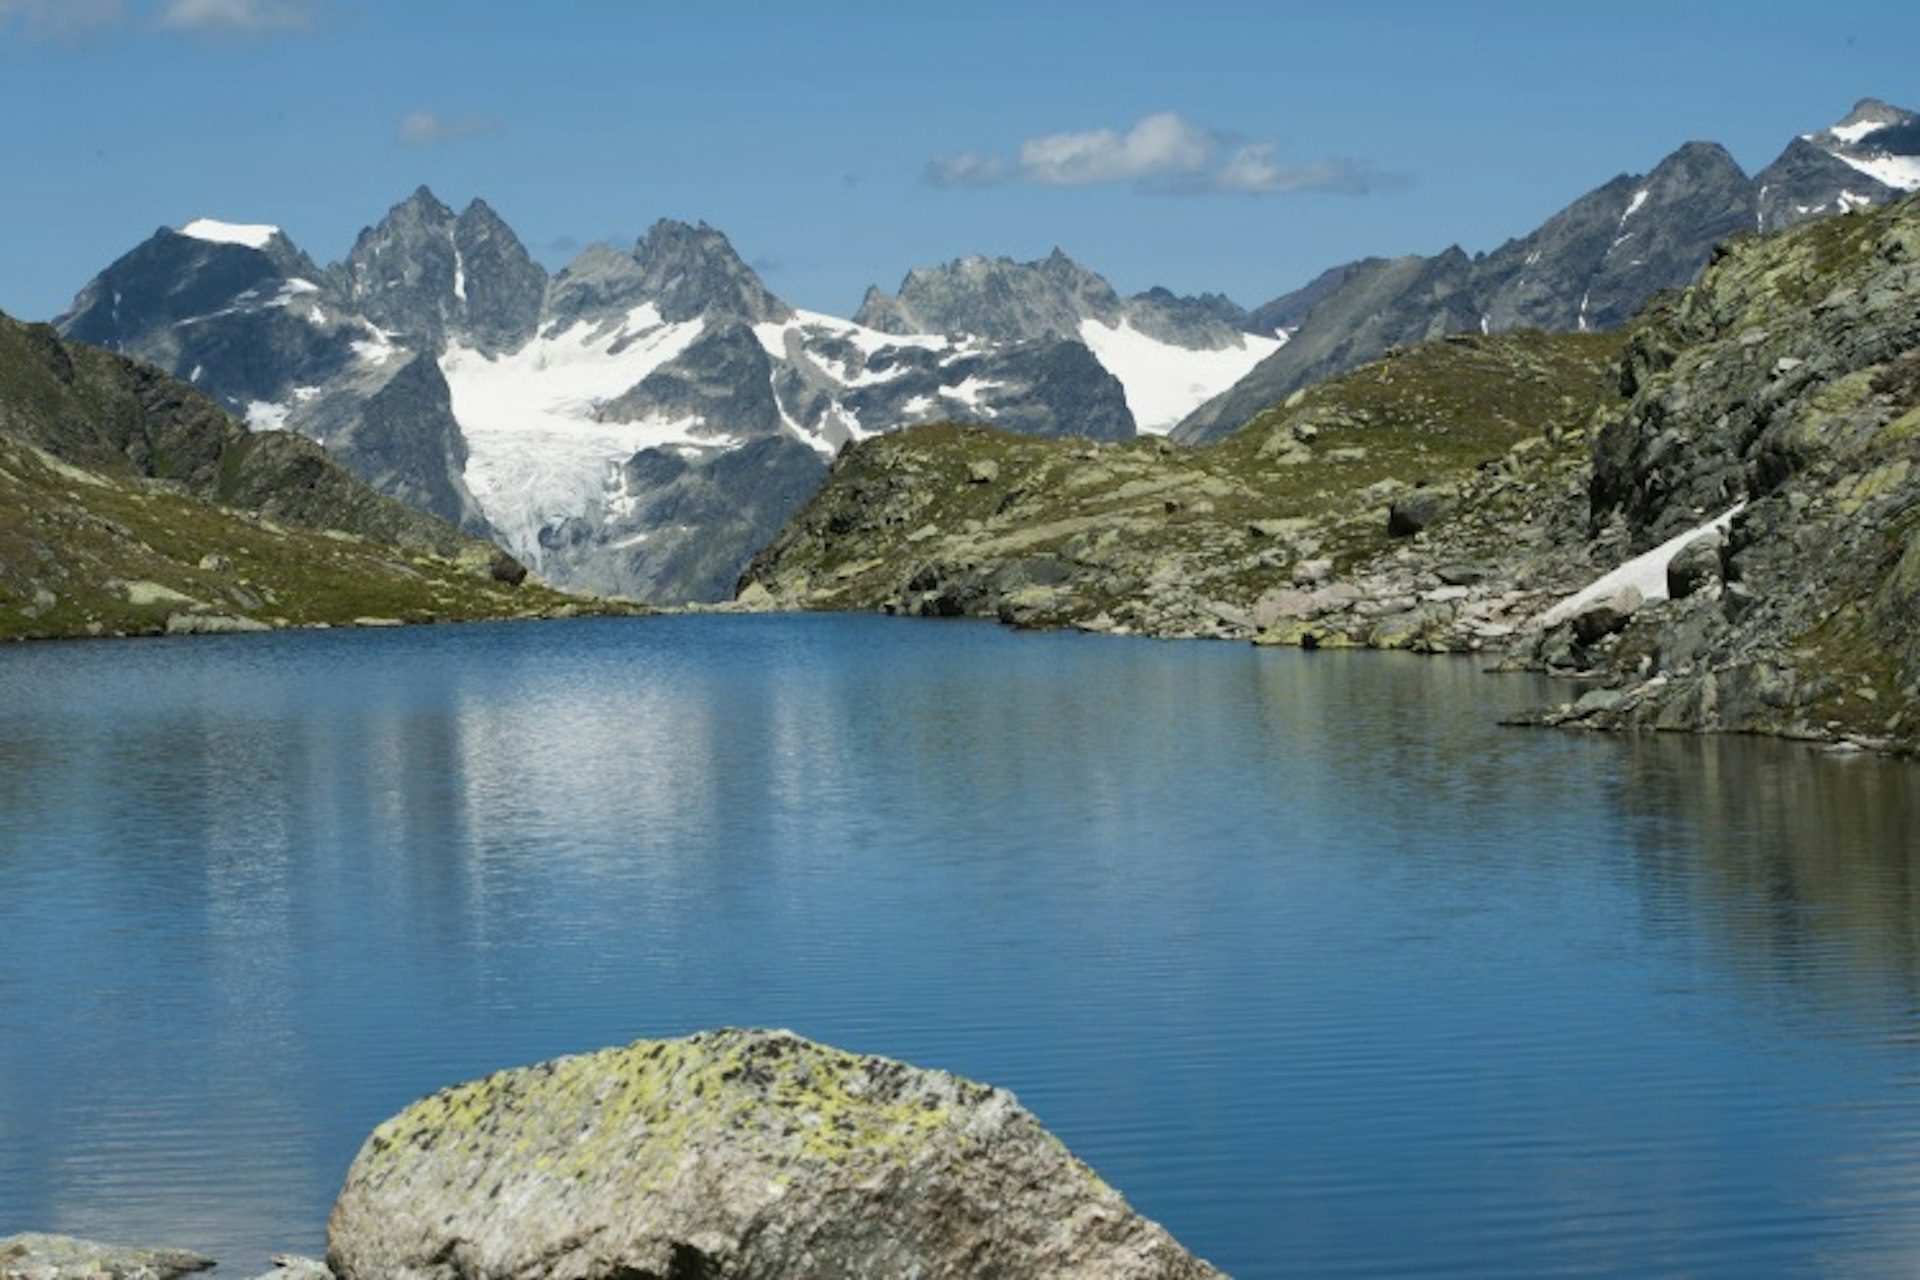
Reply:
x=728, y=1155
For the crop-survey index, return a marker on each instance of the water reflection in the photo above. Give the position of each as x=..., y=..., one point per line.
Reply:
x=1796, y=866
x=1289, y=945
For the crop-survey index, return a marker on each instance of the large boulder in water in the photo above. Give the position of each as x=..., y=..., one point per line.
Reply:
x=733, y=1154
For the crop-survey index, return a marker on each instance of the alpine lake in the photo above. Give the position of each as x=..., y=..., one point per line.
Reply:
x=1316, y=964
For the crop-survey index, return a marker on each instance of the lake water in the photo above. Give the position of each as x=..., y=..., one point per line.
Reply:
x=1317, y=965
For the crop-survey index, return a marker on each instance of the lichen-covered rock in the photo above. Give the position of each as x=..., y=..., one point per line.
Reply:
x=732, y=1154
x=49, y=1257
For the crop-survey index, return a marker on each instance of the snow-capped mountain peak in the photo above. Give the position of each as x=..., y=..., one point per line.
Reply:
x=1878, y=140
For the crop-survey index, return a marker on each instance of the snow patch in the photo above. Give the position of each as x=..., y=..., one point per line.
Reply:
x=253, y=236
x=972, y=392
x=264, y=415
x=1902, y=173
x=1852, y=133
x=1165, y=383
x=1639, y=198
x=1647, y=573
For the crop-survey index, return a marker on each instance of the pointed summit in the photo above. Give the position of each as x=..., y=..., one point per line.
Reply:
x=693, y=271
x=1877, y=140
x=1870, y=157
x=205, y=269
x=425, y=273
x=1870, y=114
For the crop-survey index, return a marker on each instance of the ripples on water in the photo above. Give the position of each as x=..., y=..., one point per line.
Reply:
x=1319, y=967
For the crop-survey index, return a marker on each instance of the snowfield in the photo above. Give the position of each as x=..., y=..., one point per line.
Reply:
x=1165, y=383
x=535, y=454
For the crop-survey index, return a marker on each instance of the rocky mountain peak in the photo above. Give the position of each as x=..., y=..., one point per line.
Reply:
x=995, y=298
x=1697, y=163
x=428, y=274
x=1879, y=142
x=499, y=289
x=1869, y=114
x=692, y=270
x=177, y=276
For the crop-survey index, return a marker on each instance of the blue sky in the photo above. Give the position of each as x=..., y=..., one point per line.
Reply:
x=1223, y=146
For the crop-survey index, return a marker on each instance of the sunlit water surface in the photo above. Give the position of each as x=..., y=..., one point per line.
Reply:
x=1321, y=968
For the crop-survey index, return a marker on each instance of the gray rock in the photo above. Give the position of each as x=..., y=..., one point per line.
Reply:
x=734, y=1154
x=48, y=1257
x=430, y=275
x=724, y=379
x=1413, y=512
x=1696, y=566
x=1606, y=616
x=211, y=624
x=694, y=271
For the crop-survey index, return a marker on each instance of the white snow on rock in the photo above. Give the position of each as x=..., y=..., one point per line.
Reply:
x=535, y=454
x=1902, y=173
x=1852, y=133
x=1165, y=383
x=265, y=415
x=253, y=236
x=1647, y=573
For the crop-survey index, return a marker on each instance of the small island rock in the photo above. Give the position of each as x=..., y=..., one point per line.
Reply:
x=731, y=1155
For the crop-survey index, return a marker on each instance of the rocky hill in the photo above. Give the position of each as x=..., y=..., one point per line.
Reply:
x=1588, y=267
x=1298, y=528
x=130, y=503
x=1758, y=435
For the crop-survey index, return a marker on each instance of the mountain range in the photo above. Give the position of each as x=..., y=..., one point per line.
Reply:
x=1590, y=266
x=640, y=422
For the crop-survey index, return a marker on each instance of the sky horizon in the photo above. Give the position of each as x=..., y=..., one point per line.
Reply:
x=1238, y=149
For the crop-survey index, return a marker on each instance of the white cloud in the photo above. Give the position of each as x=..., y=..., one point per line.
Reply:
x=428, y=129
x=968, y=169
x=236, y=17
x=62, y=19
x=73, y=20
x=1159, y=145
x=1164, y=153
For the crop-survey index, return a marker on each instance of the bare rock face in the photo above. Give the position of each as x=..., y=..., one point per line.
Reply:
x=731, y=1155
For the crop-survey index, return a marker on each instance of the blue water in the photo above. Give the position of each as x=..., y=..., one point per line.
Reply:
x=1317, y=965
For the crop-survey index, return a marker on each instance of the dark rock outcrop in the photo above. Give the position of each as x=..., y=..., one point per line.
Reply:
x=735, y=1155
